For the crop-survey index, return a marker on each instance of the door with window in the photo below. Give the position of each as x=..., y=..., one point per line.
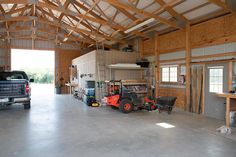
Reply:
x=216, y=81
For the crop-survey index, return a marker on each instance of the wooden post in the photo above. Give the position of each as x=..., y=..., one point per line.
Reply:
x=8, y=56
x=157, y=59
x=188, y=68
x=141, y=48
x=230, y=83
x=203, y=89
x=227, y=114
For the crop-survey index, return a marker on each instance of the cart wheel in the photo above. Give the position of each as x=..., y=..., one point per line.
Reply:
x=169, y=110
x=126, y=106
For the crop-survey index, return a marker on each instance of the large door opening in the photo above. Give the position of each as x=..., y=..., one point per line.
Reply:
x=38, y=65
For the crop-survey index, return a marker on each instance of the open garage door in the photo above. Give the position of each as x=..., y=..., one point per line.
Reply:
x=38, y=65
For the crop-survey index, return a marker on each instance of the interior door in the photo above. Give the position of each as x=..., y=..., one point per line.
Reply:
x=216, y=80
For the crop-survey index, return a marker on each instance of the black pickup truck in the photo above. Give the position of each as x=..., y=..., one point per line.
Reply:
x=14, y=88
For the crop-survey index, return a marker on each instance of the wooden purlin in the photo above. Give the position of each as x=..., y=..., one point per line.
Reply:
x=171, y=11
x=222, y=5
x=142, y=12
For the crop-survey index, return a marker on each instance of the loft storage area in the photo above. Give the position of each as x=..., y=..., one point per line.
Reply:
x=106, y=77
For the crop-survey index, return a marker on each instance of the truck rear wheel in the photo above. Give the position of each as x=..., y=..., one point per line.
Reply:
x=126, y=106
x=27, y=106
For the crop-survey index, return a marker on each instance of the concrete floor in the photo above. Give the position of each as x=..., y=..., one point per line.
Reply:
x=61, y=126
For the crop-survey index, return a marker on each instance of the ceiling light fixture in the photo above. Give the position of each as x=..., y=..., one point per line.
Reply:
x=65, y=39
x=139, y=25
x=10, y=5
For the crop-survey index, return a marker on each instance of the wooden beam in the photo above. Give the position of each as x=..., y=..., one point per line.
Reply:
x=63, y=25
x=171, y=11
x=71, y=13
x=14, y=1
x=142, y=12
x=222, y=5
x=76, y=19
x=230, y=69
x=188, y=68
x=86, y=9
x=82, y=18
x=125, y=12
x=1, y=9
x=73, y=17
x=157, y=64
x=8, y=34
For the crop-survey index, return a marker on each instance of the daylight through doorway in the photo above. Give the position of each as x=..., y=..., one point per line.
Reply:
x=38, y=65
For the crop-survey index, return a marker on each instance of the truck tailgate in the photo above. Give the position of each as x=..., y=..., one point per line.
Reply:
x=12, y=88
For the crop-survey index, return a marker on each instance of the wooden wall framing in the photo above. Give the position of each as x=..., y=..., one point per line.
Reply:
x=63, y=59
x=214, y=32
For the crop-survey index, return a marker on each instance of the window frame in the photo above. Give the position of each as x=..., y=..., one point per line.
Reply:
x=216, y=77
x=169, y=74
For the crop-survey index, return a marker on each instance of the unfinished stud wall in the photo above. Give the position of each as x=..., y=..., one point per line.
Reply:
x=113, y=57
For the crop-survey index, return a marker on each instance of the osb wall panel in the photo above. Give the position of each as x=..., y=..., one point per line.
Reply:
x=178, y=92
x=173, y=41
x=5, y=56
x=148, y=47
x=63, y=60
x=216, y=31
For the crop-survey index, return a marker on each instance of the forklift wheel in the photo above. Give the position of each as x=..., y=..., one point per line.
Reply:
x=126, y=106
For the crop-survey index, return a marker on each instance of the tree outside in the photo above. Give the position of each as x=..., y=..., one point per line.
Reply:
x=42, y=76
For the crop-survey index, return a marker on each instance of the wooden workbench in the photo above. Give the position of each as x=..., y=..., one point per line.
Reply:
x=71, y=87
x=230, y=105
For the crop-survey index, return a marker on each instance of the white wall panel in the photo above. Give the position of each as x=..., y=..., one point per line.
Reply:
x=198, y=52
x=39, y=44
x=216, y=49
x=2, y=61
x=173, y=55
x=44, y=44
x=230, y=47
x=21, y=43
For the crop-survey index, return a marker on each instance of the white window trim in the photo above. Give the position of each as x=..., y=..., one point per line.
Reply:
x=169, y=66
x=218, y=84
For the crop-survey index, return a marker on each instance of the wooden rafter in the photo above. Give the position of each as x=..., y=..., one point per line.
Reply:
x=142, y=12
x=223, y=5
x=82, y=18
x=74, y=18
x=89, y=20
x=71, y=13
x=1, y=9
x=171, y=11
